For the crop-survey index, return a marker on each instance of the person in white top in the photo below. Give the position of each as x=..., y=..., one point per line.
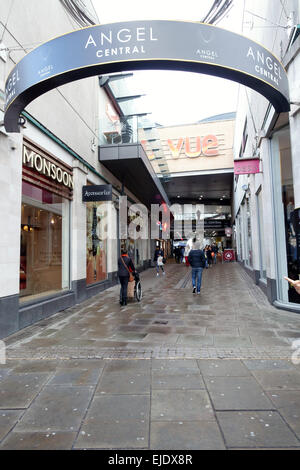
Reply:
x=160, y=264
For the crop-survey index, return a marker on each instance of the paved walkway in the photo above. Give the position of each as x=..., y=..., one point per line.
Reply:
x=176, y=371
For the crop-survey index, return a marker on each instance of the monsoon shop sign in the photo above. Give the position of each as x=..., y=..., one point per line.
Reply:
x=137, y=45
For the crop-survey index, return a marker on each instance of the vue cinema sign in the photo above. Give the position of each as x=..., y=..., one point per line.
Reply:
x=136, y=45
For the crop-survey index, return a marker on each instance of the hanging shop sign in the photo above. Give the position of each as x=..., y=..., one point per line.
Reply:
x=136, y=45
x=216, y=223
x=246, y=166
x=101, y=192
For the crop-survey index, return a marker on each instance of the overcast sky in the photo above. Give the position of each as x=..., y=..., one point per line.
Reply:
x=176, y=97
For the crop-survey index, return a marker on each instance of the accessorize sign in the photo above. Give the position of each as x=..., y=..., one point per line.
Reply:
x=43, y=165
x=97, y=193
x=246, y=167
x=178, y=45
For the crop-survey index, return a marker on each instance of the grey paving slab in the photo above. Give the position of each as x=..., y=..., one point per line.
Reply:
x=128, y=336
x=71, y=376
x=222, y=331
x=18, y=390
x=171, y=380
x=196, y=435
x=288, y=405
x=130, y=366
x=178, y=405
x=161, y=338
x=132, y=434
x=237, y=393
x=278, y=379
x=256, y=429
x=258, y=332
x=35, y=366
x=195, y=340
x=231, y=341
x=57, y=408
x=264, y=364
x=8, y=419
x=124, y=383
x=118, y=408
x=177, y=364
x=4, y=373
x=268, y=341
x=38, y=441
x=223, y=368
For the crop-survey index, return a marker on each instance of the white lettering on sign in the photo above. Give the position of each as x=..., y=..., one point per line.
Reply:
x=10, y=90
x=120, y=51
x=33, y=160
x=265, y=65
x=123, y=35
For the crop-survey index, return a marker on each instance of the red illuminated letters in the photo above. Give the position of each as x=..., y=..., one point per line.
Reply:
x=208, y=147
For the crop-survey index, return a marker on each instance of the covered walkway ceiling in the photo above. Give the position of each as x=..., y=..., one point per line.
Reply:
x=214, y=188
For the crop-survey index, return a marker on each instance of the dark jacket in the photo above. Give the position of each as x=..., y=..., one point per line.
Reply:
x=122, y=271
x=158, y=253
x=196, y=259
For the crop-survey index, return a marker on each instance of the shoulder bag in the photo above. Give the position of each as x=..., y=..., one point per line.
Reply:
x=131, y=277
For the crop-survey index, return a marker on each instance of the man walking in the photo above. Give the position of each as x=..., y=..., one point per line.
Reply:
x=197, y=260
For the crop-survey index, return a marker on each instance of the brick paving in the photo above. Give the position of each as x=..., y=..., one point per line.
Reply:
x=175, y=371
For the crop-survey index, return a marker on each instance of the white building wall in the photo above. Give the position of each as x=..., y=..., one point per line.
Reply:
x=10, y=213
x=267, y=25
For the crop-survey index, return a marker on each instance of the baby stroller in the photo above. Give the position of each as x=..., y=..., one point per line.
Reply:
x=137, y=287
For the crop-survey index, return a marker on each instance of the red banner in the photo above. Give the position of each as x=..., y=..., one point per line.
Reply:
x=246, y=167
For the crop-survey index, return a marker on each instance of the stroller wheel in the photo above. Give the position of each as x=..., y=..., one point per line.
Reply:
x=138, y=291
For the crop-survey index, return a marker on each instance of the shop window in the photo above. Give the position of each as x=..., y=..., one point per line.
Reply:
x=45, y=234
x=262, y=251
x=287, y=217
x=249, y=236
x=96, y=249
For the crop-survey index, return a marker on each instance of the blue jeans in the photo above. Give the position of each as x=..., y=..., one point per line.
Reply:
x=197, y=274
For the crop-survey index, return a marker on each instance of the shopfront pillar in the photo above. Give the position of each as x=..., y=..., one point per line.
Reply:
x=78, y=233
x=295, y=144
x=10, y=216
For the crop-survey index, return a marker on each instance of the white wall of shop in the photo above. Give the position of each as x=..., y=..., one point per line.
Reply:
x=294, y=78
x=263, y=28
x=10, y=214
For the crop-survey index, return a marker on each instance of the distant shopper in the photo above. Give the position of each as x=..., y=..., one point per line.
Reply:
x=205, y=254
x=186, y=255
x=215, y=253
x=160, y=264
x=158, y=252
x=295, y=284
x=182, y=254
x=209, y=256
x=177, y=254
x=197, y=260
x=125, y=270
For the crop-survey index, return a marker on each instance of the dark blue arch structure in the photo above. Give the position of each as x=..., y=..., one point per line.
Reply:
x=137, y=45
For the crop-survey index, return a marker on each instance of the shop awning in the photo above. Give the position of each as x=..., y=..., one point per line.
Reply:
x=130, y=165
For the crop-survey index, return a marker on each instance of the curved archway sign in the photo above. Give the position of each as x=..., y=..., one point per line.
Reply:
x=136, y=45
